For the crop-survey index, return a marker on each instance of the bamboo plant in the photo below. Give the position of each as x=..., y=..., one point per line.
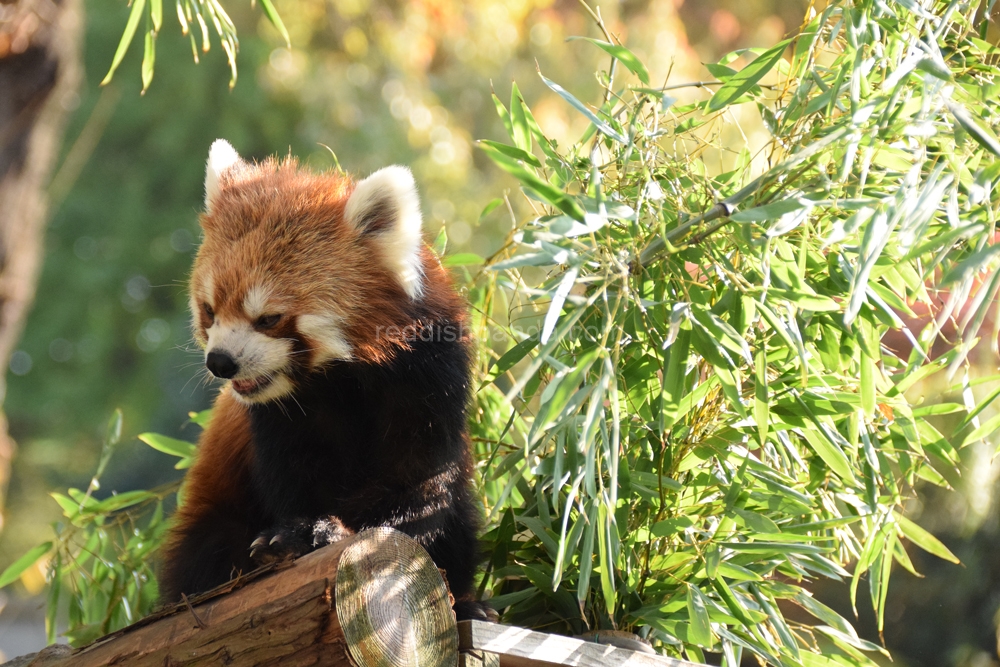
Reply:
x=688, y=413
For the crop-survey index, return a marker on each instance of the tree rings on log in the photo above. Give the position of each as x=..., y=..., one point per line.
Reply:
x=393, y=605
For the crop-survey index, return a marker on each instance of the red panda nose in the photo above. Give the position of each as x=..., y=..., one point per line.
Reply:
x=221, y=365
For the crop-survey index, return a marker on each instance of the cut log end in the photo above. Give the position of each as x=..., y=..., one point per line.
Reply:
x=393, y=605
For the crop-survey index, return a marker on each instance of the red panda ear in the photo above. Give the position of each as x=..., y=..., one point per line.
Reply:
x=221, y=157
x=386, y=206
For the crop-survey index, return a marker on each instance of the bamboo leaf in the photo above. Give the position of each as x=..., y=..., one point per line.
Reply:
x=987, y=429
x=516, y=169
x=462, y=259
x=556, y=305
x=519, y=123
x=604, y=555
x=17, y=568
x=747, y=77
x=504, y=116
x=868, y=385
x=513, y=152
x=701, y=626
x=623, y=55
x=829, y=452
x=761, y=405
x=976, y=129
x=515, y=354
x=275, y=19
x=772, y=211
x=148, y=58
x=167, y=445
x=200, y=418
x=587, y=554
x=121, y=500
x=156, y=14
x=924, y=540
x=602, y=126
x=138, y=6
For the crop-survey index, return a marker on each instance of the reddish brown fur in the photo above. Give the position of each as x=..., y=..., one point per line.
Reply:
x=218, y=482
x=224, y=449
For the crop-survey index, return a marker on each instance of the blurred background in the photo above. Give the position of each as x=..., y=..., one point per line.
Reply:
x=366, y=83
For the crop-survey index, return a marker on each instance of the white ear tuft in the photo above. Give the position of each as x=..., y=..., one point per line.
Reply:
x=221, y=157
x=386, y=205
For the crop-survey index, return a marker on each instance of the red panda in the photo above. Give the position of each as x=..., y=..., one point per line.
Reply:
x=347, y=365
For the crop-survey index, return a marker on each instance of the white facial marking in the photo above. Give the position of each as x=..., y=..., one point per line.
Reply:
x=256, y=356
x=392, y=191
x=221, y=157
x=325, y=332
x=280, y=386
x=255, y=301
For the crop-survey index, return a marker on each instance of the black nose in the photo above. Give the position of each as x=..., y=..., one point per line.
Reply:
x=221, y=365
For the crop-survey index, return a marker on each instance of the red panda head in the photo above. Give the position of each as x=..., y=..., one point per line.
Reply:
x=298, y=270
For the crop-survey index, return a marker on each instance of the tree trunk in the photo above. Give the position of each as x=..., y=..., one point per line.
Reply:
x=373, y=600
x=39, y=78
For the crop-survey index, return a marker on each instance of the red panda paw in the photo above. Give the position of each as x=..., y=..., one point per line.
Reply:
x=289, y=539
x=296, y=537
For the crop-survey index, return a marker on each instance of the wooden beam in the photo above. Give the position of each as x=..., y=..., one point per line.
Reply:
x=518, y=647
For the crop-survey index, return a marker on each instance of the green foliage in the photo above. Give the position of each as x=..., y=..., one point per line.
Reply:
x=100, y=562
x=687, y=411
x=189, y=13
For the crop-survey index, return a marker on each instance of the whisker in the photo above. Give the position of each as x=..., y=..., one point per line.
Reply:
x=298, y=404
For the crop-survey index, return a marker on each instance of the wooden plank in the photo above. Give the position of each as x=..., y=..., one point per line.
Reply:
x=518, y=647
x=478, y=659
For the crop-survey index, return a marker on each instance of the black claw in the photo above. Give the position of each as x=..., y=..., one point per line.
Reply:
x=275, y=540
x=259, y=542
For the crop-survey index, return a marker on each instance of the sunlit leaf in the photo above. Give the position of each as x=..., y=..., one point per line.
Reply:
x=512, y=152
x=275, y=19
x=519, y=123
x=747, y=77
x=772, y=211
x=200, y=418
x=148, y=58
x=138, y=7
x=924, y=539
x=17, y=568
x=701, y=627
x=462, y=259
x=558, y=299
x=602, y=126
x=623, y=55
x=980, y=132
x=516, y=168
x=829, y=452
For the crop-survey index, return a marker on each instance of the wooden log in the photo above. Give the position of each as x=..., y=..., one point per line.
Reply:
x=518, y=647
x=373, y=600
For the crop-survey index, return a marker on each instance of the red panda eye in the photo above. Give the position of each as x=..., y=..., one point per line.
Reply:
x=267, y=321
x=208, y=311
